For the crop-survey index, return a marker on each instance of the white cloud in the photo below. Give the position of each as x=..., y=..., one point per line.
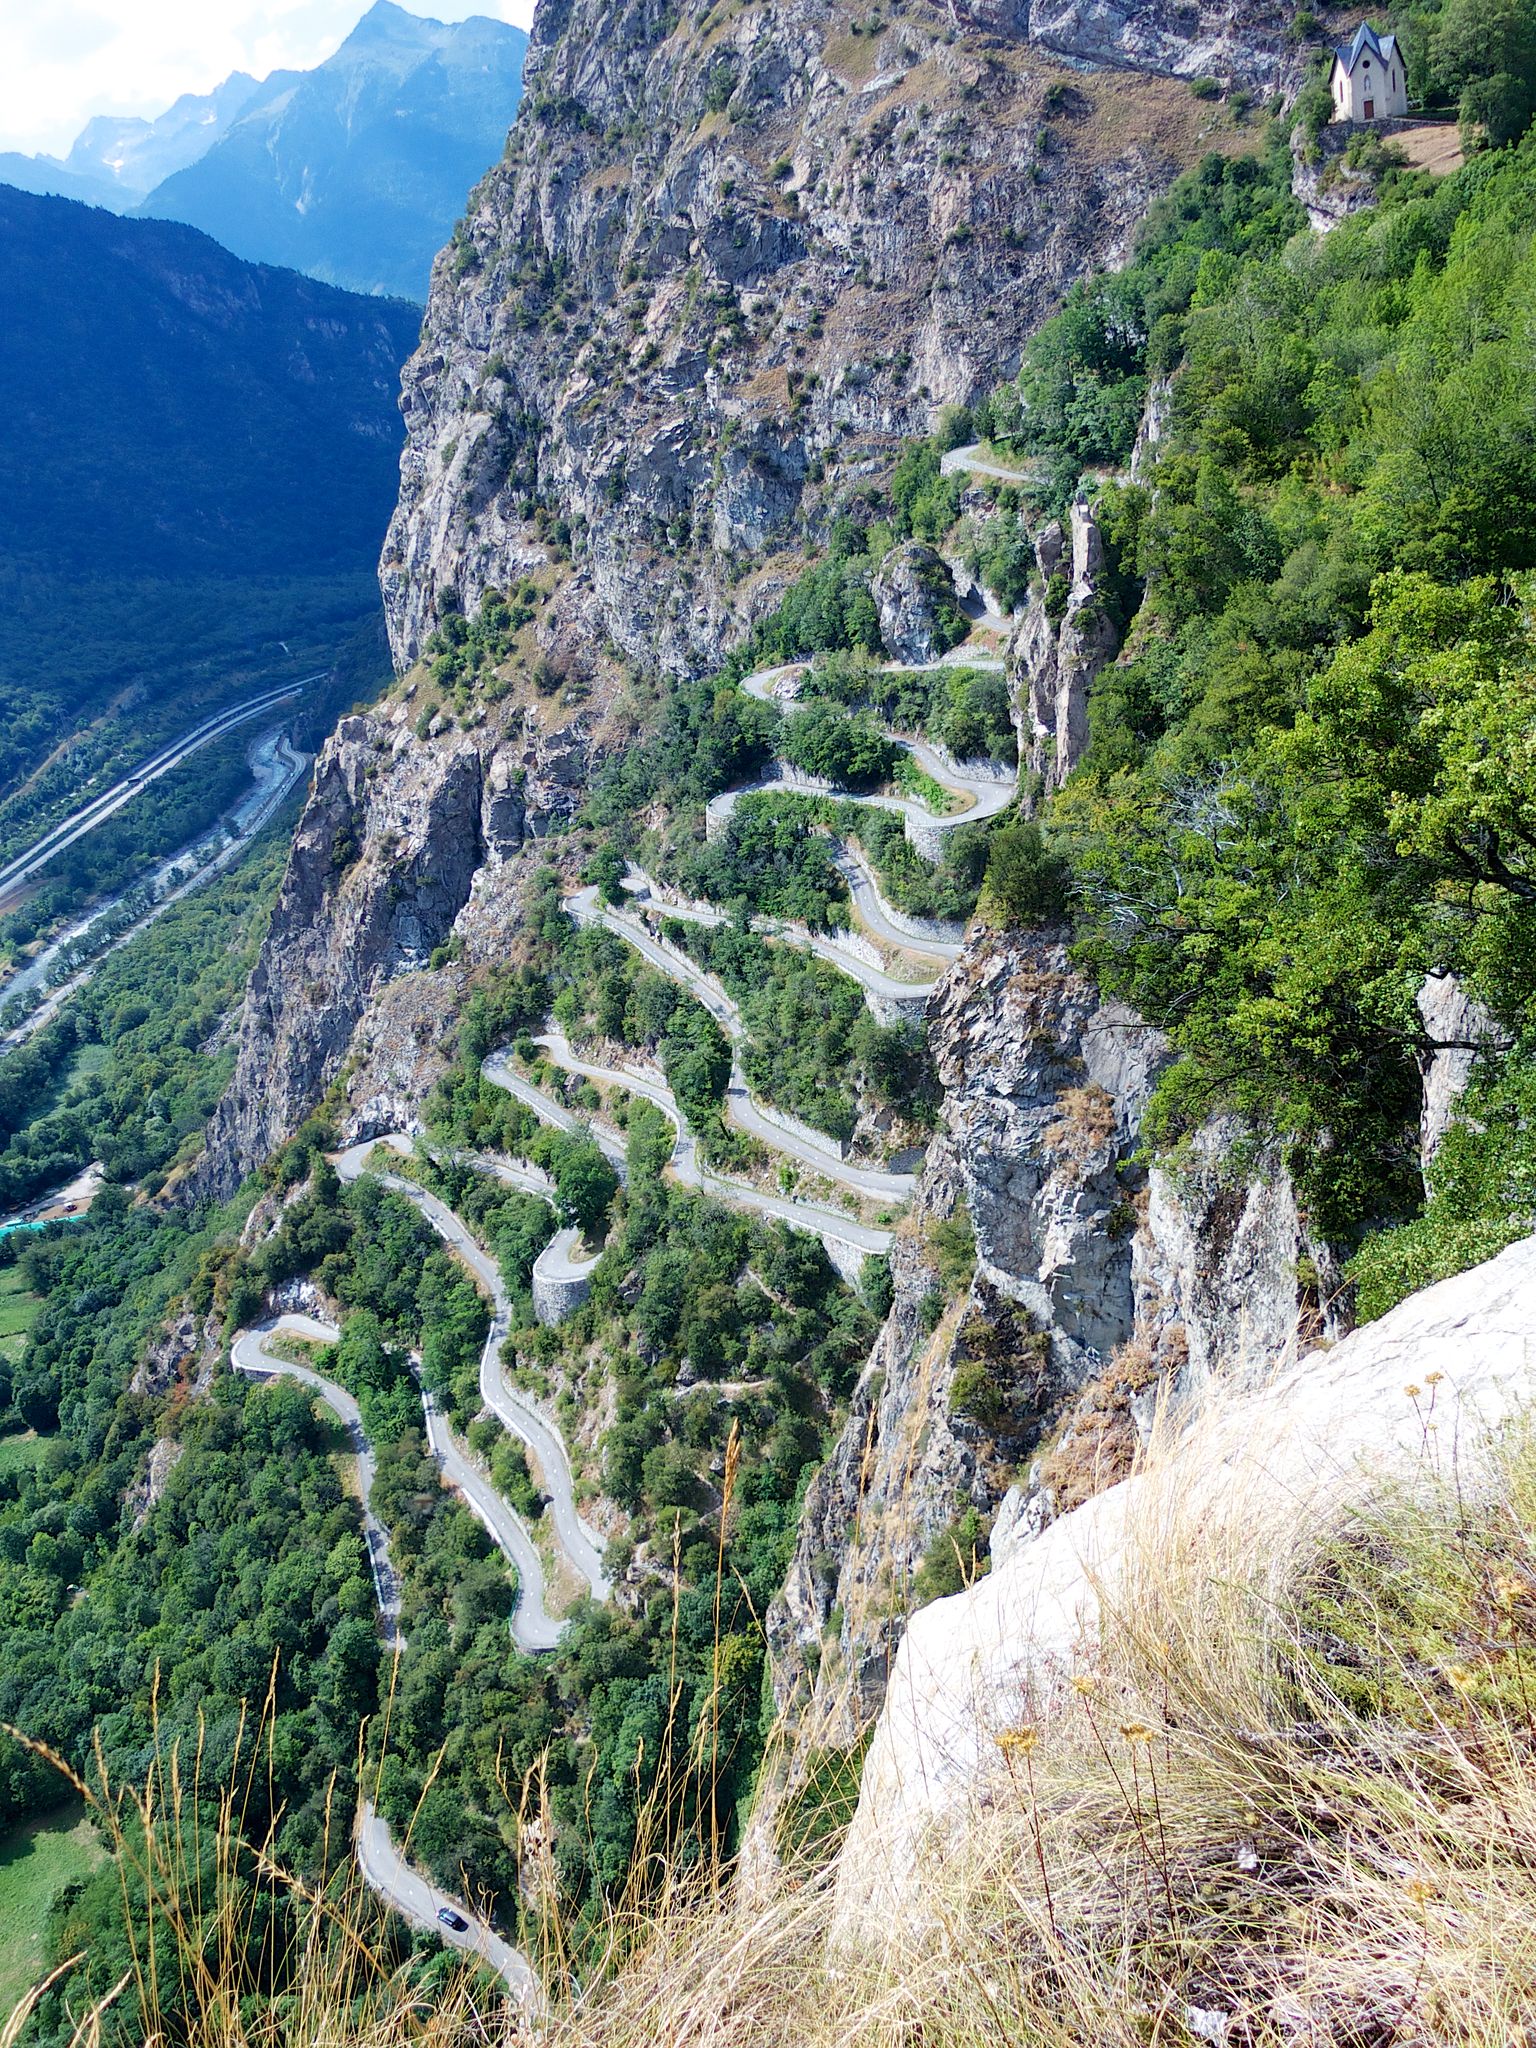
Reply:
x=61, y=61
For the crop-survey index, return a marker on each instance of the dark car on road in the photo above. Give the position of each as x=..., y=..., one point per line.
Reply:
x=454, y=1920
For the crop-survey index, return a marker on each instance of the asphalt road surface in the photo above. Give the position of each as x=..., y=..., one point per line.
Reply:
x=250, y=1354
x=417, y=1900
x=743, y=1110
x=825, y=945
x=810, y=1217
x=89, y=815
x=581, y=1545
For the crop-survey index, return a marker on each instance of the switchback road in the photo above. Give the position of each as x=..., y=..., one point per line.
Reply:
x=403, y=1887
x=811, y=1217
x=512, y=1408
x=800, y=1145
x=251, y=1353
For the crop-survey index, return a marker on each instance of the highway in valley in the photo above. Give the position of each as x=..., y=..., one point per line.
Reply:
x=23, y=866
x=91, y=939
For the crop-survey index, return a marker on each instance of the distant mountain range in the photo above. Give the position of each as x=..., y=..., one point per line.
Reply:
x=199, y=460
x=354, y=172
x=169, y=407
x=132, y=156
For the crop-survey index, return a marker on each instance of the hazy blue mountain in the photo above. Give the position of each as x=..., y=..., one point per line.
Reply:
x=52, y=174
x=116, y=159
x=355, y=172
x=199, y=459
x=134, y=155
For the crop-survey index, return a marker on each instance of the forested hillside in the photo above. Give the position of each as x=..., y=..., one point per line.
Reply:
x=817, y=1099
x=198, y=461
x=1307, y=783
x=168, y=411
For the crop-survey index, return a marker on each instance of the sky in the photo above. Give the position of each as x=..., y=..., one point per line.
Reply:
x=61, y=61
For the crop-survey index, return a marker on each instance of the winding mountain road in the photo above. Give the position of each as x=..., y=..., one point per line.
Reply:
x=517, y=1414
x=986, y=788
x=828, y=946
x=88, y=816
x=989, y=787
x=416, y=1899
x=742, y=1108
x=932, y=936
x=969, y=461
x=534, y=1628
x=251, y=1354
x=558, y=1260
x=809, y=1217
x=381, y=1863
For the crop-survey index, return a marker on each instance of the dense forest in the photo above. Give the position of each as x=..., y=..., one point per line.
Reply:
x=1307, y=786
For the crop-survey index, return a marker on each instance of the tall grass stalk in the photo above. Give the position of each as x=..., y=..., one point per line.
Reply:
x=1291, y=1799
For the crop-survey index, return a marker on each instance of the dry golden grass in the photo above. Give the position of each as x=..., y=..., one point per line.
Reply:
x=1296, y=1803
x=1434, y=146
x=1292, y=1802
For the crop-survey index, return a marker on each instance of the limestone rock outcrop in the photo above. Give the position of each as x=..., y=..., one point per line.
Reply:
x=726, y=264
x=1097, y=1287
x=915, y=595
x=1460, y=1031
x=1326, y=1430
x=1065, y=638
x=1328, y=185
x=724, y=268
x=381, y=865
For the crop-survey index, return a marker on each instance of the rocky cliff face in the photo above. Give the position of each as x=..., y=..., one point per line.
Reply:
x=381, y=865
x=1067, y=634
x=732, y=255
x=1097, y=1287
x=1285, y=1454
x=734, y=252
x=405, y=841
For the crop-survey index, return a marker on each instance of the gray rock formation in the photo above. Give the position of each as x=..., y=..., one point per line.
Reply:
x=1065, y=637
x=185, y=1350
x=714, y=281
x=148, y=1489
x=1095, y=1289
x=381, y=865
x=1155, y=419
x=1460, y=1031
x=910, y=588
x=1225, y=41
x=1226, y=1268
x=717, y=277
x=1328, y=186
